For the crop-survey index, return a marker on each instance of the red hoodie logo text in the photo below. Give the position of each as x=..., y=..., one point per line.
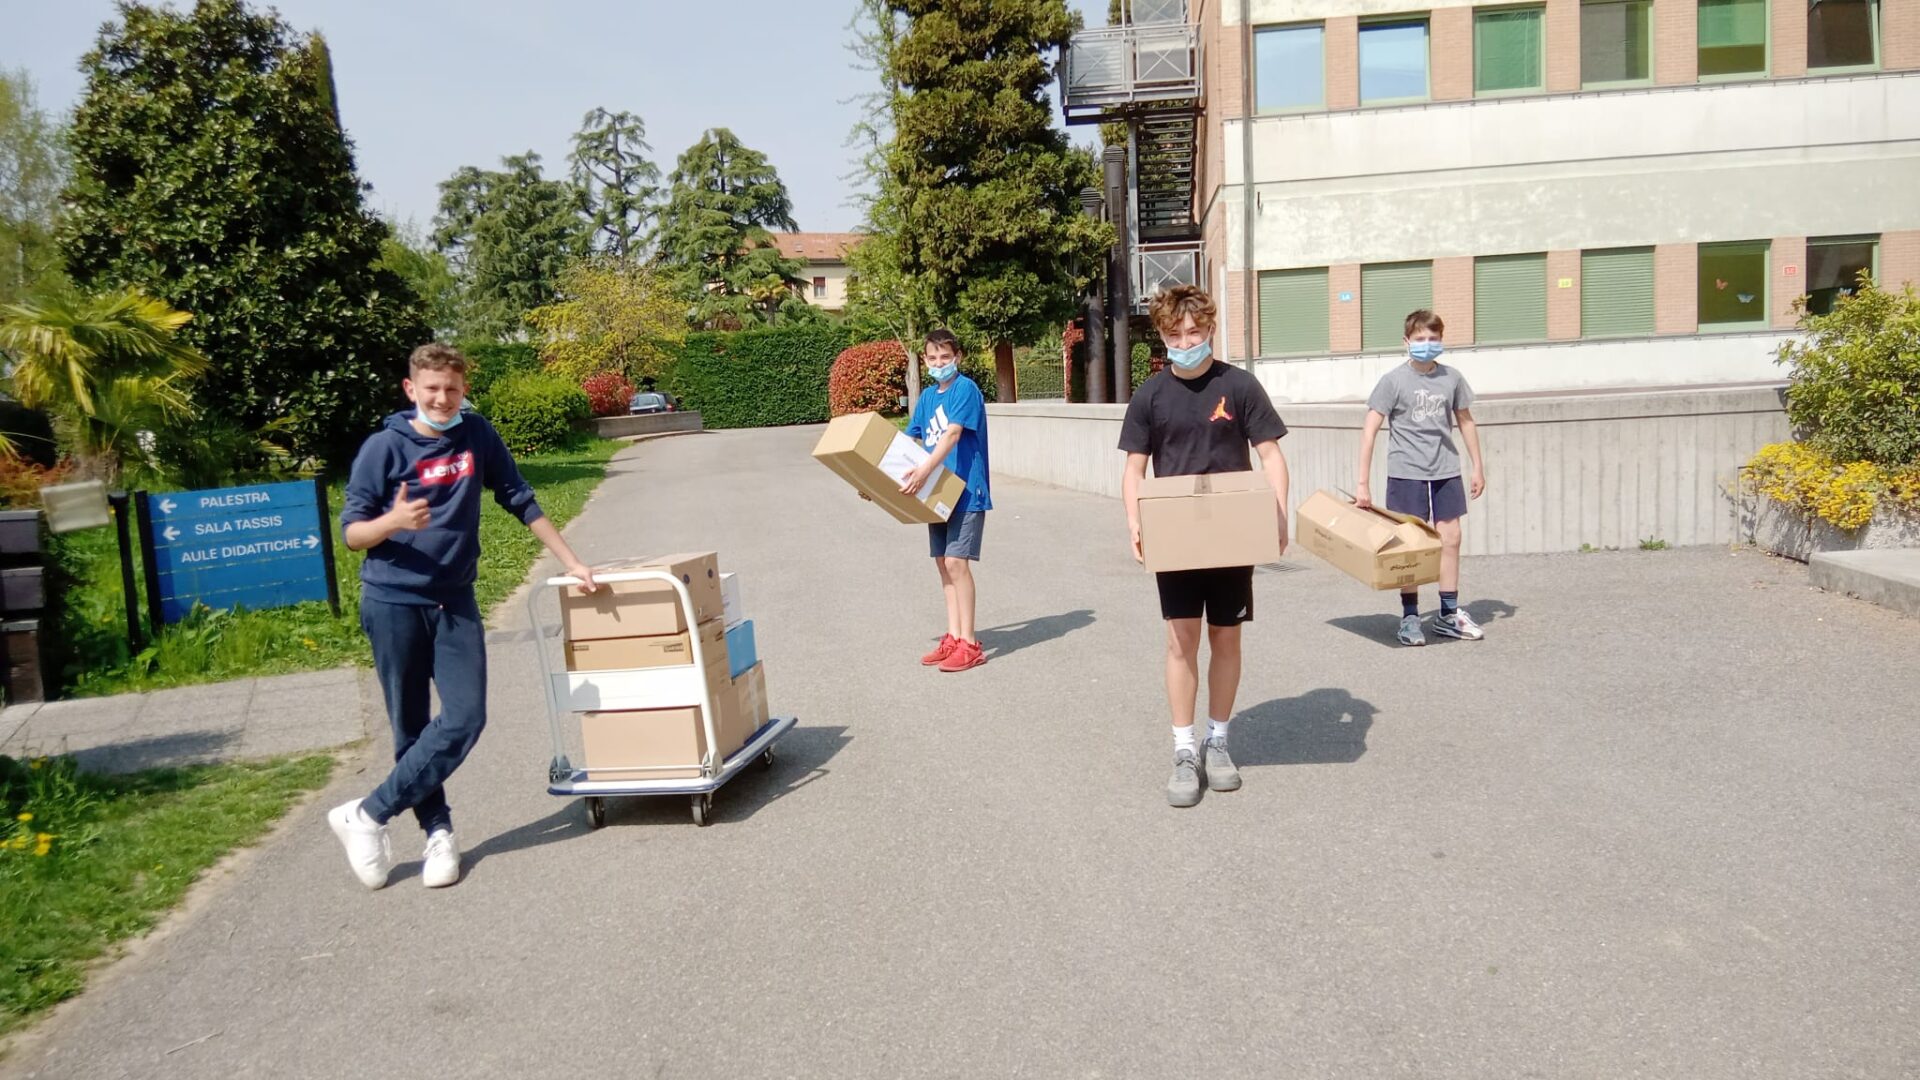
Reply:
x=445, y=470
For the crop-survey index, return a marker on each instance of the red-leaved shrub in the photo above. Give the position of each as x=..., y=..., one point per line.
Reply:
x=609, y=392
x=868, y=378
x=21, y=480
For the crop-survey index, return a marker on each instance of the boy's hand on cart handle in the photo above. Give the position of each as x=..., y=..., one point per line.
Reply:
x=585, y=574
x=410, y=513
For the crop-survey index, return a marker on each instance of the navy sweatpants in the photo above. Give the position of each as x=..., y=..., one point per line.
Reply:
x=414, y=645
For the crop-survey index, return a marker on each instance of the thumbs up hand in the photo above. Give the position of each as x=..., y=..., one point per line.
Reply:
x=409, y=513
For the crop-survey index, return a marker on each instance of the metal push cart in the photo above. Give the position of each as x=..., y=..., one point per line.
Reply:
x=679, y=686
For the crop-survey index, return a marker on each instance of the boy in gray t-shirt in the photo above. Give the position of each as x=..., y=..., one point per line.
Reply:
x=1420, y=401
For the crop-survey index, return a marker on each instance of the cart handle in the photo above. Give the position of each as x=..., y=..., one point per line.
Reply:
x=611, y=577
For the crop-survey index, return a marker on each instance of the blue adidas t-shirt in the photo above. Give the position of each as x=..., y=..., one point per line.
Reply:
x=959, y=404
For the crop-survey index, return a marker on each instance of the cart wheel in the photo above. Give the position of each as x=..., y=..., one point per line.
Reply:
x=596, y=811
x=702, y=809
x=558, y=770
x=766, y=758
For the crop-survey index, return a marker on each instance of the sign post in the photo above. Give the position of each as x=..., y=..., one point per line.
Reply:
x=258, y=546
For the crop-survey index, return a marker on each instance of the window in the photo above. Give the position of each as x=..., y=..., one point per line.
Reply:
x=1293, y=312
x=1834, y=267
x=1843, y=34
x=1393, y=61
x=1389, y=292
x=1733, y=38
x=1509, y=51
x=1510, y=298
x=819, y=287
x=1616, y=292
x=1288, y=70
x=1733, y=286
x=1616, y=42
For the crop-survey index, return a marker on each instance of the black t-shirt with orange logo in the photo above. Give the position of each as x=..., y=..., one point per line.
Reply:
x=1203, y=425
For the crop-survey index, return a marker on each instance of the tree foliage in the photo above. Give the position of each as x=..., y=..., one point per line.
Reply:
x=1855, y=389
x=610, y=316
x=32, y=168
x=620, y=185
x=410, y=255
x=209, y=170
x=509, y=234
x=714, y=238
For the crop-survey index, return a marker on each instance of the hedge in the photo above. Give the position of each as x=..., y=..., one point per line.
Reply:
x=756, y=378
x=536, y=412
x=489, y=362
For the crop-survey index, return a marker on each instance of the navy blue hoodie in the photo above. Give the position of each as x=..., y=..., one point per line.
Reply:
x=438, y=563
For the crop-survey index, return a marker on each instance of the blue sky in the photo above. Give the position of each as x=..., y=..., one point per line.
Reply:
x=429, y=85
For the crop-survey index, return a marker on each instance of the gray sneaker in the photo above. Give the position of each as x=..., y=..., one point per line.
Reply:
x=1221, y=775
x=1410, y=632
x=1184, y=788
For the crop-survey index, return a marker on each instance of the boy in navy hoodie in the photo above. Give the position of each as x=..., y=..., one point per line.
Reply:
x=413, y=505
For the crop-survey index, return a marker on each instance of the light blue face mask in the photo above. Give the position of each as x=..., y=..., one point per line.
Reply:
x=1188, y=359
x=1425, y=351
x=421, y=415
x=942, y=374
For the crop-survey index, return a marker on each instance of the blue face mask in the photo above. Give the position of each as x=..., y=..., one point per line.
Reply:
x=1425, y=351
x=421, y=415
x=942, y=374
x=1188, y=359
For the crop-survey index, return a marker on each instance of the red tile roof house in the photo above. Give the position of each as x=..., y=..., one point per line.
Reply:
x=823, y=258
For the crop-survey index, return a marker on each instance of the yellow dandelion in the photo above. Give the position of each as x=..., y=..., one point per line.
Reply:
x=310, y=643
x=36, y=763
x=24, y=817
x=40, y=851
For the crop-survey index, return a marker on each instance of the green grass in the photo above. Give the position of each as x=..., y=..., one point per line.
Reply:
x=92, y=656
x=118, y=853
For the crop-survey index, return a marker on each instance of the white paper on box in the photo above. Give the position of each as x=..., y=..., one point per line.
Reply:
x=730, y=606
x=904, y=456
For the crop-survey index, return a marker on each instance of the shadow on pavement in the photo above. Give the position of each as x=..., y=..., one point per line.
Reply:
x=1012, y=637
x=160, y=751
x=1320, y=727
x=1384, y=628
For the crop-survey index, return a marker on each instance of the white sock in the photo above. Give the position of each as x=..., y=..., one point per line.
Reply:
x=1183, y=739
x=1217, y=729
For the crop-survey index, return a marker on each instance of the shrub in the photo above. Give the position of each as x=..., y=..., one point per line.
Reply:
x=609, y=393
x=536, y=411
x=1855, y=391
x=21, y=480
x=868, y=378
x=757, y=378
x=1842, y=494
x=488, y=363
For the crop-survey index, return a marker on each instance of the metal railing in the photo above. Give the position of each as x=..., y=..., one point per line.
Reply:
x=1162, y=266
x=1117, y=66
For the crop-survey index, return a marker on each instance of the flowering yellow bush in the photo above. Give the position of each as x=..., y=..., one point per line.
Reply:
x=1842, y=495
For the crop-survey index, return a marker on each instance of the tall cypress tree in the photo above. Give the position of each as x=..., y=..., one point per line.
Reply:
x=713, y=236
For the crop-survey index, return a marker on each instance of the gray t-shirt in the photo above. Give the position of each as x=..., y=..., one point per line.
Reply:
x=1419, y=411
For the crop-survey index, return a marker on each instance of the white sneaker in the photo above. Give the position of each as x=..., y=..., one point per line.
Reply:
x=442, y=865
x=369, y=851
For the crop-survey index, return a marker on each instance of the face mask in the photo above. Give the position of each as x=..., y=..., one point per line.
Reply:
x=1425, y=351
x=1188, y=359
x=942, y=374
x=421, y=415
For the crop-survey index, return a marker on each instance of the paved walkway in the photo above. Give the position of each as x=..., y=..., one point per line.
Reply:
x=1661, y=823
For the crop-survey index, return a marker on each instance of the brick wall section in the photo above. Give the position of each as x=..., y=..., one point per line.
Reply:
x=1234, y=306
x=1900, y=35
x=1676, y=42
x=1788, y=38
x=1223, y=55
x=1787, y=251
x=1343, y=320
x=1676, y=288
x=1900, y=259
x=1450, y=54
x=1563, y=305
x=1343, y=62
x=1453, y=297
x=1563, y=46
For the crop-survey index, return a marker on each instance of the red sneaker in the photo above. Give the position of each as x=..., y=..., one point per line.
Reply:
x=966, y=654
x=941, y=651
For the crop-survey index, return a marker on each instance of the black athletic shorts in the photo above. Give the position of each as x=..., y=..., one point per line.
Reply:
x=1224, y=595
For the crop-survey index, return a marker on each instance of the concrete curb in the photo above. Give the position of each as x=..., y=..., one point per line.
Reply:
x=1888, y=578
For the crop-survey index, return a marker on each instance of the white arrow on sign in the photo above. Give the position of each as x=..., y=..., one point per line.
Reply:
x=166, y=506
x=170, y=533
x=312, y=541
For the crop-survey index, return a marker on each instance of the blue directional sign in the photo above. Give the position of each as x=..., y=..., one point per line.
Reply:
x=261, y=546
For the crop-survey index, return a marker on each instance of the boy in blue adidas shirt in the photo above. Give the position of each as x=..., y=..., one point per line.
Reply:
x=950, y=420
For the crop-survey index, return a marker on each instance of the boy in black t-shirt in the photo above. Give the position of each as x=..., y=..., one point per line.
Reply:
x=1197, y=416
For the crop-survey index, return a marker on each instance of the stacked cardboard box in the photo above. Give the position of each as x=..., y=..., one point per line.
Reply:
x=636, y=626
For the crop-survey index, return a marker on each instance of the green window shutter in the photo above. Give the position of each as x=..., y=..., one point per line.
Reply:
x=1616, y=293
x=1389, y=292
x=1509, y=51
x=1510, y=298
x=1293, y=312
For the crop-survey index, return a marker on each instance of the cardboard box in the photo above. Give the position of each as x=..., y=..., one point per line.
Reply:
x=742, y=650
x=872, y=455
x=617, y=744
x=1376, y=547
x=751, y=690
x=730, y=608
x=1218, y=519
x=644, y=608
x=662, y=650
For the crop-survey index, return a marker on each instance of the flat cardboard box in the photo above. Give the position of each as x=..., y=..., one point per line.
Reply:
x=1378, y=548
x=742, y=650
x=660, y=650
x=875, y=457
x=1216, y=519
x=731, y=610
x=644, y=608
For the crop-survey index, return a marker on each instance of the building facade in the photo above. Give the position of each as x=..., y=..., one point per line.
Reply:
x=824, y=269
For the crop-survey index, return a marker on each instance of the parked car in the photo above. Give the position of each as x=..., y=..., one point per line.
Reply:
x=647, y=402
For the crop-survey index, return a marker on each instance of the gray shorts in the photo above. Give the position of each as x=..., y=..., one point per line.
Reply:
x=958, y=537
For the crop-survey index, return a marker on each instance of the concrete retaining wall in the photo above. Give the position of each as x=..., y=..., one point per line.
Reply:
x=624, y=427
x=1608, y=470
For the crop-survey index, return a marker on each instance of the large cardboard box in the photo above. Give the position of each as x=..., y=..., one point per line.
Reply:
x=660, y=650
x=644, y=608
x=872, y=455
x=619, y=745
x=1218, y=519
x=1376, y=547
